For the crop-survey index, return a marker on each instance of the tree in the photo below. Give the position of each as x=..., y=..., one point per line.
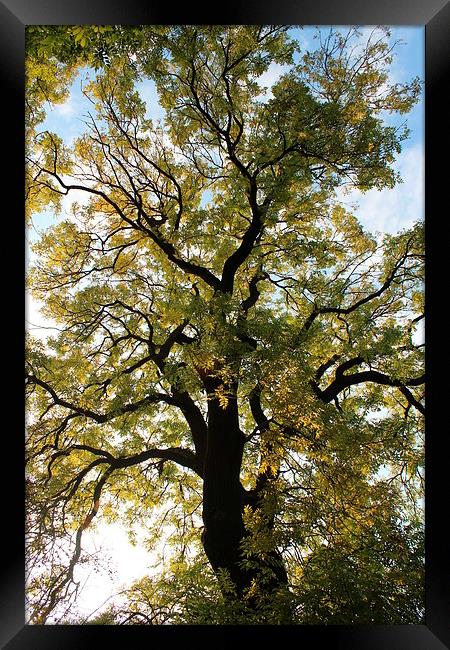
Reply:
x=236, y=360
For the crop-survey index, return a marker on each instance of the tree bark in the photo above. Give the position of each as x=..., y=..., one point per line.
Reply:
x=224, y=497
x=222, y=493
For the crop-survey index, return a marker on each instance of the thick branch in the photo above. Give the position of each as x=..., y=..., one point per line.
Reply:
x=102, y=417
x=341, y=382
x=246, y=304
x=256, y=409
x=238, y=257
x=269, y=472
x=58, y=401
x=189, y=267
x=184, y=457
x=254, y=293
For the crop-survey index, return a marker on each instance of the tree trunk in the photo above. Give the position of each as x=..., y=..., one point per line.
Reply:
x=224, y=496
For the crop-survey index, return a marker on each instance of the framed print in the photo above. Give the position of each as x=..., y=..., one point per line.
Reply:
x=227, y=218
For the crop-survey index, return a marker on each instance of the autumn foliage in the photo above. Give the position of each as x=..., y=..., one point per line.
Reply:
x=235, y=369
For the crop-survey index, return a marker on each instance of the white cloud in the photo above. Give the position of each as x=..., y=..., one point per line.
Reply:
x=124, y=562
x=66, y=109
x=38, y=325
x=74, y=196
x=269, y=77
x=391, y=210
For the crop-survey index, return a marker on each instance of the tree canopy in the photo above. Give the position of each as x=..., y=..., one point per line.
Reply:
x=235, y=367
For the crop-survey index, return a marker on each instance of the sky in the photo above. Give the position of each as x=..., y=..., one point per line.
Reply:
x=379, y=211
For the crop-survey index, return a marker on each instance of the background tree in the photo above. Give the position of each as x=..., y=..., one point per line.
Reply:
x=236, y=360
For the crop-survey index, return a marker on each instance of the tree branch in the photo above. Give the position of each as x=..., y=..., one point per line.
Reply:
x=341, y=382
x=102, y=417
x=375, y=294
x=167, y=247
x=181, y=456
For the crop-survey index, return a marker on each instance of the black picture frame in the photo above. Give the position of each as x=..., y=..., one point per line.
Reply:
x=434, y=15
